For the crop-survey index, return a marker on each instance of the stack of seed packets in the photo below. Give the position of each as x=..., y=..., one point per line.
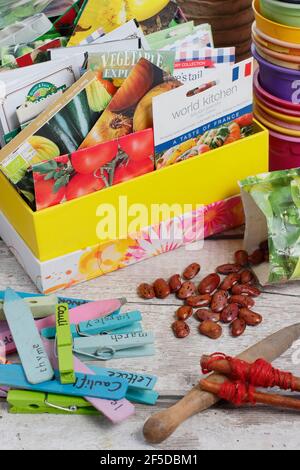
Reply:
x=72, y=126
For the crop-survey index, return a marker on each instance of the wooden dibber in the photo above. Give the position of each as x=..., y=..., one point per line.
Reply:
x=161, y=425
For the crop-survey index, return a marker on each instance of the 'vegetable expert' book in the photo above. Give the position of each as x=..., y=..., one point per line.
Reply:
x=130, y=110
x=78, y=53
x=116, y=66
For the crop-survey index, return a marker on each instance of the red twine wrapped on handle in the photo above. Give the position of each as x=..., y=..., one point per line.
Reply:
x=246, y=376
x=237, y=393
x=259, y=374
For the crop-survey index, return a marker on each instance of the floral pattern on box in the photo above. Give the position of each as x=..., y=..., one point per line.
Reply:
x=223, y=215
x=83, y=265
x=156, y=240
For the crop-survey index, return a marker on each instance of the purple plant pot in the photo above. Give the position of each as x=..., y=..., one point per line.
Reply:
x=279, y=81
x=263, y=94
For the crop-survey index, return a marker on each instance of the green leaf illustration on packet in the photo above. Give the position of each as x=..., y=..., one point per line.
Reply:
x=272, y=209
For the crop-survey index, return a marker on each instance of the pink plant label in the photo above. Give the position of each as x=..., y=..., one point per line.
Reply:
x=115, y=411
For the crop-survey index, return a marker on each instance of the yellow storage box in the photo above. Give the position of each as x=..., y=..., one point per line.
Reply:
x=74, y=225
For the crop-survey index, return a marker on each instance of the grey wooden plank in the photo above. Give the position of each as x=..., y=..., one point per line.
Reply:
x=219, y=428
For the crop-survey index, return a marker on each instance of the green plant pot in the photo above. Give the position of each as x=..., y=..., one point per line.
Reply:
x=281, y=12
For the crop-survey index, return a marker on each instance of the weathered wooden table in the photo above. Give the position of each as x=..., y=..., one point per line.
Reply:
x=176, y=363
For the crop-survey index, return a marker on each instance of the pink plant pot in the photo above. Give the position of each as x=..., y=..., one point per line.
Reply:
x=284, y=151
x=277, y=109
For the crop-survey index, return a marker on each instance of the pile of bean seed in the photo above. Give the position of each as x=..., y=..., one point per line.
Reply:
x=227, y=299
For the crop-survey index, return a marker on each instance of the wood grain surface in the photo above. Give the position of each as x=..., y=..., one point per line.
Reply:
x=176, y=363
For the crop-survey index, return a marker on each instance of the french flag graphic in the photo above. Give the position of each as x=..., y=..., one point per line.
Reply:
x=239, y=71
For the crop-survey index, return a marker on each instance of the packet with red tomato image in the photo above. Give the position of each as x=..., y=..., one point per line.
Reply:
x=93, y=169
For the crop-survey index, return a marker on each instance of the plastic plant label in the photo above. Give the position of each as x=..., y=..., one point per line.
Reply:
x=3, y=390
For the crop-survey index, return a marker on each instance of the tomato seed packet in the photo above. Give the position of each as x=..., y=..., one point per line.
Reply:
x=93, y=169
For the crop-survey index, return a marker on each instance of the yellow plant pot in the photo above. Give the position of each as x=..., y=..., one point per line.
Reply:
x=275, y=30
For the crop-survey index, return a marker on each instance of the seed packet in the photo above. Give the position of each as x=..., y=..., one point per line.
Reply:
x=66, y=23
x=17, y=10
x=194, y=65
x=23, y=55
x=58, y=7
x=93, y=169
x=40, y=96
x=116, y=66
x=199, y=38
x=78, y=53
x=130, y=110
x=153, y=15
x=25, y=31
x=168, y=36
x=167, y=17
x=203, y=115
x=10, y=135
x=208, y=55
x=129, y=30
x=59, y=130
x=272, y=208
x=25, y=95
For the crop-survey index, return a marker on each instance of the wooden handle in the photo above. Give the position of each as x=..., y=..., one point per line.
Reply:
x=161, y=425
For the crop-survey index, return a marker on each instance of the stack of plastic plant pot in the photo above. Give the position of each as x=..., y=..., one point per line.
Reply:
x=276, y=47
